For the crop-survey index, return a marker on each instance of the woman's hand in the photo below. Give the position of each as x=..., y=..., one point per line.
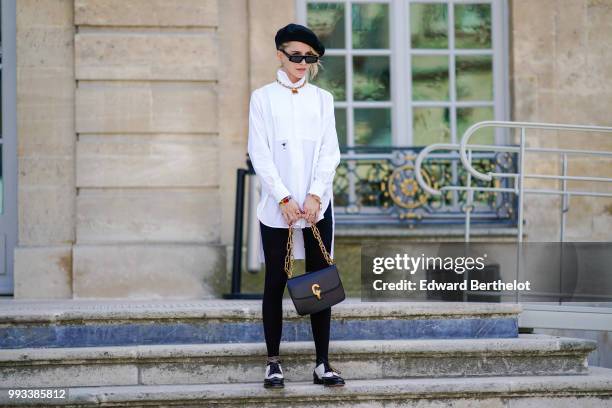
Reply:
x=291, y=211
x=312, y=205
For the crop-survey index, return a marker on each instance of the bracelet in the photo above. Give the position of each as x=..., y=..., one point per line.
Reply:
x=285, y=200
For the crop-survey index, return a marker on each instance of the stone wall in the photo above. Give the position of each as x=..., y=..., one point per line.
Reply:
x=45, y=143
x=560, y=73
x=148, y=223
x=131, y=127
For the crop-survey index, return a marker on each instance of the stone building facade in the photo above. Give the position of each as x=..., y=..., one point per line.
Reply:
x=132, y=117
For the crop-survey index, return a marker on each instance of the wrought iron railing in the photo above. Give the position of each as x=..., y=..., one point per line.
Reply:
x=378, y=185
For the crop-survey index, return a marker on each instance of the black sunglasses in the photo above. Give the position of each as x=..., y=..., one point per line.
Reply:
x=310, y=59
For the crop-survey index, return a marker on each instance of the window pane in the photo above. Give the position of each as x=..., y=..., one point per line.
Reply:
x=370, y=176
x=429, y=78
x=472, y=26
x=370, y=25
x=431, y=125
x=466, y=117
x=428, y=25
x=372, y=127
x=474, y=77
x=371, y=78
x=327, y=21
x=340, y=114
x=332, y=76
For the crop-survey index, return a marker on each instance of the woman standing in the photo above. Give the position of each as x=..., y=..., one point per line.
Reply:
x=293, y=147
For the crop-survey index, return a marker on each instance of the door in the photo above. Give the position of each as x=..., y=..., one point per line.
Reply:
x=8, y=146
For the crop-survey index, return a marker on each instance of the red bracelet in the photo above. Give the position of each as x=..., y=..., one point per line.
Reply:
x=285, y=200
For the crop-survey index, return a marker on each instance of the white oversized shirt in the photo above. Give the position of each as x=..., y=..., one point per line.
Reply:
x=294, y=149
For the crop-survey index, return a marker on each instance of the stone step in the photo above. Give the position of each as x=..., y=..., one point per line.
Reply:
x=232, y=363
x=593, y=390
x=85, y=323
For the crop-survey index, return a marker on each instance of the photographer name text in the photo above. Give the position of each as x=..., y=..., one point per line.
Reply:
x=430, y=285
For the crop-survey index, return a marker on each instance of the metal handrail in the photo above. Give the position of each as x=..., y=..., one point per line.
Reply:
x=522, y=148
x=465, y=152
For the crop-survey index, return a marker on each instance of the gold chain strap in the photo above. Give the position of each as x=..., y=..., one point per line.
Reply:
x=326, y=255
x=289, y=256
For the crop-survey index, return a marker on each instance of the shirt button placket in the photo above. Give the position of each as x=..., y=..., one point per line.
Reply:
x=298, y=154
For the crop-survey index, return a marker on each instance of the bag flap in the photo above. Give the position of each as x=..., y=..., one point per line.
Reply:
x=328, y=279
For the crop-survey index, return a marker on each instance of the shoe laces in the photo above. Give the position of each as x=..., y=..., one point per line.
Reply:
x=328, y=367
x=274, y=367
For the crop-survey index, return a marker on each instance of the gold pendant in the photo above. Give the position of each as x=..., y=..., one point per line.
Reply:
x=294, y=90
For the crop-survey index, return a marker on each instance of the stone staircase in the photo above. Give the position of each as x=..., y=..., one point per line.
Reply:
x=211, y=353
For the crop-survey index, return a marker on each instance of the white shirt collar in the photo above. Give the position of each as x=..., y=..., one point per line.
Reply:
x=284, y=78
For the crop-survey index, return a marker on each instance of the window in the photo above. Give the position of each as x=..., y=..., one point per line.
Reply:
x=411, y=73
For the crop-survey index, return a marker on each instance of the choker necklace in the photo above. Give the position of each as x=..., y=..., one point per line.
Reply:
x=294, y=90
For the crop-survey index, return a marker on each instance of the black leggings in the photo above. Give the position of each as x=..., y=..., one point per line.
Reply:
x=275, y=248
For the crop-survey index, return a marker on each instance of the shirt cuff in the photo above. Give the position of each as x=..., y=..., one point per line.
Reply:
x=317, y=188
x=280, y=192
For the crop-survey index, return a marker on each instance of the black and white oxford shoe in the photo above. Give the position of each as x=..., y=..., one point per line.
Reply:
x=274, y=375
x=326, y=375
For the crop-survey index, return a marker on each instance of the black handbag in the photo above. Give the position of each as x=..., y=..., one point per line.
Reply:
x=317, y=290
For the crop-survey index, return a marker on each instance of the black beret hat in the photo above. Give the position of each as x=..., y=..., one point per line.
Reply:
x=297, y=32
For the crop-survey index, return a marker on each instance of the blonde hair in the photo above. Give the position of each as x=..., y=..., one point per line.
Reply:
x=313, y=69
